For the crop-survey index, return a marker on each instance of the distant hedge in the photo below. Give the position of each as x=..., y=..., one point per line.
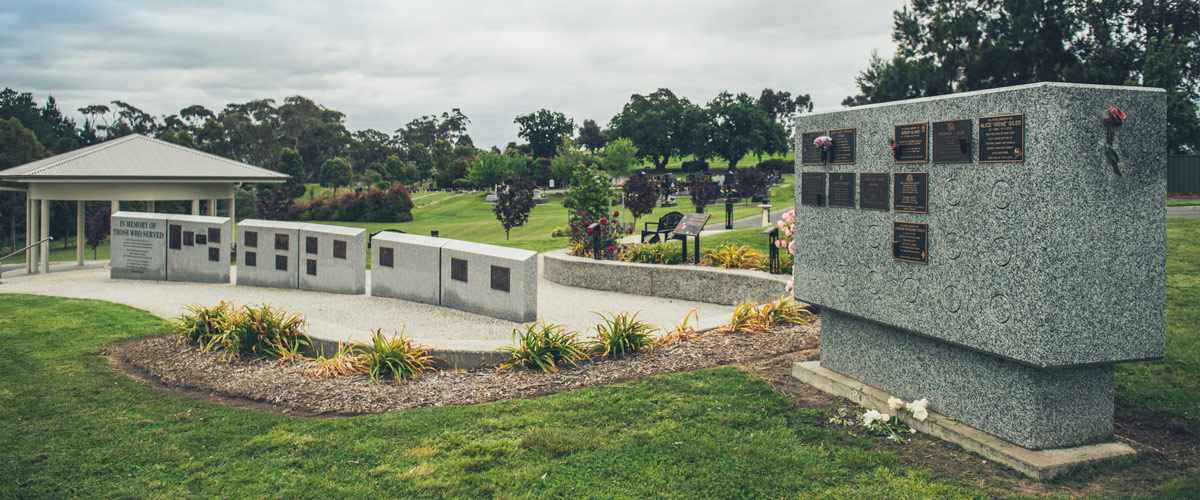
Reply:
x=693, y=166
x=777, y=165
x=373, y=205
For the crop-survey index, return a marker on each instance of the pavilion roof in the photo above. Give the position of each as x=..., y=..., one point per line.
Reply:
x=139, y=158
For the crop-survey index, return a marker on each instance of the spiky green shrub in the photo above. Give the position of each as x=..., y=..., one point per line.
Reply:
x=731, y=256
x=663, y=252
x=621, y=334
x=782, y=311
x=199, y=323
x=540, y=345
x=398, y=357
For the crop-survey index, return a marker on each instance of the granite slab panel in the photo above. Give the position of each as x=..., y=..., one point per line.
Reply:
x=333, y=259
x=271, y=256
x=413, y=271
x=469, y=280
x=200, y=258
x=1054, y=261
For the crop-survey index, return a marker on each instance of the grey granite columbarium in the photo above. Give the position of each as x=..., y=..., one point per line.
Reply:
x=198, y=248
x=138, y=249
x=996, y=263
x=333, y=259
x=268, y=253
x=407, y=267
x=494, y=281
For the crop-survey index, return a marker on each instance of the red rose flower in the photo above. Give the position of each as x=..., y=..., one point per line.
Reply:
x=616, y=213
x=610, y=248
x=574, y=229
x=631, y=230
x=1115, y=117
x=590, y=230
x=603, y=221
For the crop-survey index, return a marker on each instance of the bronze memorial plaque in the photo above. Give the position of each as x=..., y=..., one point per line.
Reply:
x=281, y=262
x=910, y=192
x=458, y=269
x=174, y=236
x=251, y=259
x=912, y=141
x=214, y=235
x=281, y=241
x=874, y=190
x=339, y=249
x=810, y=154
x=1002, y=138
x=251, y=239
x=311, y=267
x=691, y=224
x=189, y=238
x=843, y=146
x=310, y=245
x=841, y=189
x=386, y=257
x=910, y=242
x=952, y=141
x=214, y=254
x=500, y=276
x=812, y=188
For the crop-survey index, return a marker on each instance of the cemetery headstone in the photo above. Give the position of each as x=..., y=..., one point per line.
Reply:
x=1009, y=270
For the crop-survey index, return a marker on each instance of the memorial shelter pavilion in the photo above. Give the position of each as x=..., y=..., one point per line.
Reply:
x=130, y=168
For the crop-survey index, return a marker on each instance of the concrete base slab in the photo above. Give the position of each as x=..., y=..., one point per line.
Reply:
x=1040, y=465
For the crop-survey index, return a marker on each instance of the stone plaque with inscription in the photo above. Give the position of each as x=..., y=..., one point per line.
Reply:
x=912, y=140
x=843, y=146
x=279, y=262
x=344, y=269
x=408, y=267
x=812, y=188
x=810, y=154
x=911, y=192
x=500, y=277
x=691, y=224
x=874, y=191
x=139, y=246
x=952, y=141
x=841, y=189
x=200, y=259
x=1002, y=138
x=910, y=242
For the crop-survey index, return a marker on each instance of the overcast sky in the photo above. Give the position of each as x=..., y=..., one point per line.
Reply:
x=383, y=63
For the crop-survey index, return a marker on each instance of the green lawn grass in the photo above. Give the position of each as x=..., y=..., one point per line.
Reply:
x=75, y=428
x=1167, y=392
x=1187, y=202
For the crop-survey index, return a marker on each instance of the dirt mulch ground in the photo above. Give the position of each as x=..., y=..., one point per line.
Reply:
x=283, y=388
x=268, y=386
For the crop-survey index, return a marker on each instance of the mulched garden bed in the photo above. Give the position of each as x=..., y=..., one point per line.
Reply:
x=283, y=388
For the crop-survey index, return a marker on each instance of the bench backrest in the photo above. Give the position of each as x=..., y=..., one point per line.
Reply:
x=669, y=221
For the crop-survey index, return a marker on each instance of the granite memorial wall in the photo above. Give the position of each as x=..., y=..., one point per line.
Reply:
x=169, y=247
x=982, y=251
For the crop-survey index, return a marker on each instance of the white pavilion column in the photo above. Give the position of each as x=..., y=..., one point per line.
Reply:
x=150, y=206
x=195, y=207
x=45, y=227
x=34, y=220
x=79, y=232
x=116, y=207
x=29, y=231
x=212, y=207
x=233, y=209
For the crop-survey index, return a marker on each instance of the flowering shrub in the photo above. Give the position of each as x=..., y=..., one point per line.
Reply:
x=787, y=240
x=373, y=205
x=610, y=233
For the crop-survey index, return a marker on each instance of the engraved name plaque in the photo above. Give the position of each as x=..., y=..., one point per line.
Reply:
x=841, y=189
x=874, y=190
x=910, y=242
x=843, y=146
x=912, y=141
x=910, y=192
x=458, y=269
x=952, y=141
x=500, y=276
x=1002, y=138
x=810, y=154
x=812, y=188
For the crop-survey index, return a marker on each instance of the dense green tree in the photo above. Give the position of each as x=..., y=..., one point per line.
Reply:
x=739, y=126
x=779, y=106
x=292, y=164
x=660, y=124
x=591, y=137
x=54, y=131
x=491, y=168
x=544, y=130
x=370, y=146
x=422, y=161
x=946, y=46
x=18, y=144
x=450, y=126
x=619, y=157
x=394, y=170
x=567, y=160
x=588, y=196
x=335, y=173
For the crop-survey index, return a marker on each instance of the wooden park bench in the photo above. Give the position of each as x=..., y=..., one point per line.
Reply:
x=662, y=228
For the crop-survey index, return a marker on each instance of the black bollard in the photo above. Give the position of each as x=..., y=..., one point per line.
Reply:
x=728, y=214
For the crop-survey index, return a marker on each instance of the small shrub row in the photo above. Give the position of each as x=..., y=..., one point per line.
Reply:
x=731, y=256
x=693, y=166
x=753, y=317
x=397, y=357
x=726, y=255
x=547, y=346
x=258, y=331
x=373, y=205
x=663, y=252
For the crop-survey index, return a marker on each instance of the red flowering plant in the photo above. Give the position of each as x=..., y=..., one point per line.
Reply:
x=584, y=228
x=1112, y=121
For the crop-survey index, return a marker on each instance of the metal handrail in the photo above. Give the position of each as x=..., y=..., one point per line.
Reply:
x=27, y=247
